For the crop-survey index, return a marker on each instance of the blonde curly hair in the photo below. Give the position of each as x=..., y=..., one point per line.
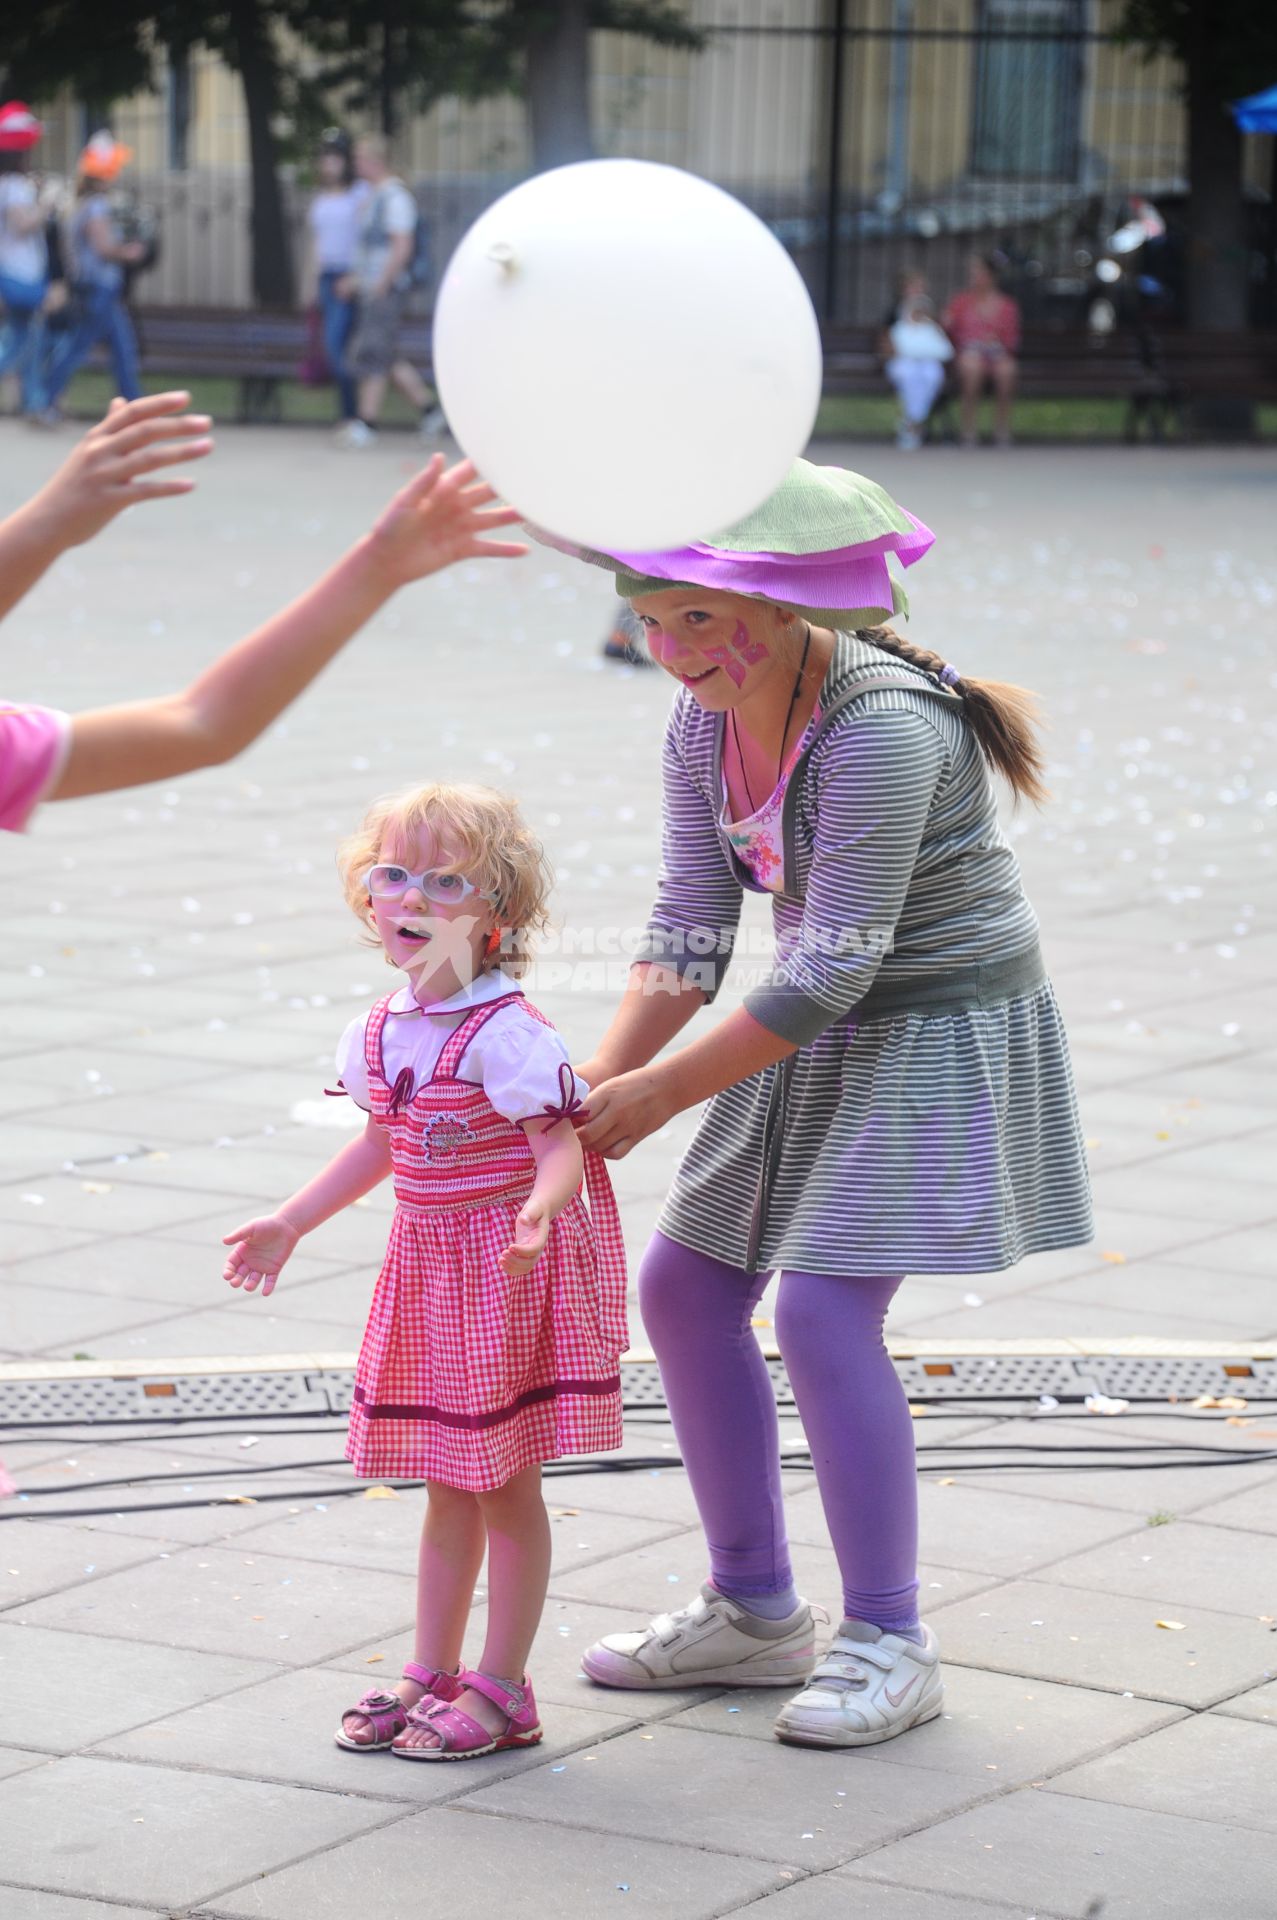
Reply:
x=478, y=833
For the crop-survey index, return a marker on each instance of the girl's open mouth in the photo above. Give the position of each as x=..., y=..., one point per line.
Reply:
x=415, y=935
x=697, y=679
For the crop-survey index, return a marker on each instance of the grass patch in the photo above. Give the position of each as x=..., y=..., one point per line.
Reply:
x=844, y=416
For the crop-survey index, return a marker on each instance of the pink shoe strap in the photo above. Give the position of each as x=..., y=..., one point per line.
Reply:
x=516, y=1703
x=427, y=1677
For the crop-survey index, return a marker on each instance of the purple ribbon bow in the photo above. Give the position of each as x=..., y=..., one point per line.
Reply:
x=402, y=1091
x=570, y=1103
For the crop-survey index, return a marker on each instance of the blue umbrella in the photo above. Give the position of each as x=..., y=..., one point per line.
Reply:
x=1258, y=113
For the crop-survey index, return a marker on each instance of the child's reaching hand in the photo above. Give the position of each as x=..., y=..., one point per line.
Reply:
x=260, y=1249
x=531, y=1231
x=109, y=469
x=438, y=518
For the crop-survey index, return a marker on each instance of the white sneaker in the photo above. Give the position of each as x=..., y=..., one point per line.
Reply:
x=869, y=1687
x=434, y=424
x=713, y=1643
x=356, y=433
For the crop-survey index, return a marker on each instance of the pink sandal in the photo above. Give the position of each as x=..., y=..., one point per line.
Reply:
x=388, y=1713
x=460, y=1737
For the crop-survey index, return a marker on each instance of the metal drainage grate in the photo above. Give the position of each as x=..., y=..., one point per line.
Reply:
x=217, y=1391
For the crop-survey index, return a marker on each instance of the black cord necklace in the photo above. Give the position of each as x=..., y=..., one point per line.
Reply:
x=784, y=738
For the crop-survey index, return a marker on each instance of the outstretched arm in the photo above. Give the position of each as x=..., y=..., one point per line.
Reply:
x=260, y=1247
x=437, y=519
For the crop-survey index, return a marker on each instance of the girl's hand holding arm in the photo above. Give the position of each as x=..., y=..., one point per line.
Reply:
x=106, y=473
x=437, y=519
x=622, y=1111
x=260, y=1247
x=559, y=1167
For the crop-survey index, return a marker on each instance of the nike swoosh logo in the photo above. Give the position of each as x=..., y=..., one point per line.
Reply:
x=897, y=1699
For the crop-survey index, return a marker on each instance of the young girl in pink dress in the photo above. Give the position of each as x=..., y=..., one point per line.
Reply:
x=498, y=1321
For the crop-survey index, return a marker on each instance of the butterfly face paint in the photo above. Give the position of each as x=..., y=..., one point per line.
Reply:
x=736, y=654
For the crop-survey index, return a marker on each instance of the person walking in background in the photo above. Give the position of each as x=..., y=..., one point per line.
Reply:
x=333, y=220
x=984, y=326
x=99, y=257
x=920, y=350
x=382, y=282
x=24, y=268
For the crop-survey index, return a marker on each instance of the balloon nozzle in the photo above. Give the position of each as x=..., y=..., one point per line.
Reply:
x=503, y=253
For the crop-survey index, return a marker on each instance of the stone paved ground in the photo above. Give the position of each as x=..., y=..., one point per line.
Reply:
x=174, y=970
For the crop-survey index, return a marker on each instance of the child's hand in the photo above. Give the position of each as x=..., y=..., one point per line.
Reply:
x=438, y=518
x=531, y=1231
x=260, y=1250
x=106, y=472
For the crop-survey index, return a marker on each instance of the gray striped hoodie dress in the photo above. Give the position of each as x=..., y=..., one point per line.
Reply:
x=928, y=1122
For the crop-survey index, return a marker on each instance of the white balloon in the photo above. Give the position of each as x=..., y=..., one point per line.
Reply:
x=627, y=354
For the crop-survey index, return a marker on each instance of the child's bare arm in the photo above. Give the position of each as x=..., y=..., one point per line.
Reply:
x=106, y=473
x=557, y=1153
x=436, y=519
x=260, y=1247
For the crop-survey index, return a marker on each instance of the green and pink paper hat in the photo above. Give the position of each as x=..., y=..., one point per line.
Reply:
x=817, y=547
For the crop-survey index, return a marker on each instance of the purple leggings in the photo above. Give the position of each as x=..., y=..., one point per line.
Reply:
x=697, y=1312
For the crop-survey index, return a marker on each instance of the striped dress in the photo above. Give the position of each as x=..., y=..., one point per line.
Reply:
x=928, y=1122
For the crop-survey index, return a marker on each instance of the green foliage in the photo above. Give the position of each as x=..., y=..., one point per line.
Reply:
x=1231, y=45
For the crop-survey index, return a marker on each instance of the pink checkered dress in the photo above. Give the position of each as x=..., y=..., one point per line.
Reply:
x=465, y=1375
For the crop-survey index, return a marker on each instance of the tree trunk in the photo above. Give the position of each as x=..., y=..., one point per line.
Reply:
x=559, y=85
x=273, y=284
x=1218, y=260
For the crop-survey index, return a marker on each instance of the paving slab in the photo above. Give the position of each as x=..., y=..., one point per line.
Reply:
x=1142, y=1491
x=39, y=1559
x=1260, y=1704
x=473, y=1863
x=1246, y=1250
x=24, y=1903
x=139, y=1267
x=385, y=1534
x=1252, y=1511
x=1079, y=1857
x=119, y=1830
x=244, y=1326
x=839, y=1895
x=996, y=1730
x=40, y=1320
x=19, y=1760
x=1180, y=1564
x=739, y=1797
x=979, y=1530
x=1205, y=1768
x=224, y=1600
x=283, y=1730
x=60, y=1692
x=1098, y=1639
x=1224, y=1302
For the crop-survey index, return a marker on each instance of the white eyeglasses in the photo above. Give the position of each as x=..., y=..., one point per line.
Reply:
x=389, y=882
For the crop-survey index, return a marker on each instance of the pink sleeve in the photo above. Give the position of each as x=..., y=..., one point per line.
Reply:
x=33, y=749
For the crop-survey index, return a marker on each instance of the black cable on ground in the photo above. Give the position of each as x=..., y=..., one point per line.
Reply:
x=561, y=1469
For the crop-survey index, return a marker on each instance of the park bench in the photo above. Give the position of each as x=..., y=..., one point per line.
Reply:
x=259, y=349
x=1157, y=372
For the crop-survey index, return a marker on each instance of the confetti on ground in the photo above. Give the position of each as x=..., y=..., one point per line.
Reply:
x=1106, y=1404
x=1114, y=1259
x=1171, y=1626
x=371, y=1659
x=380, y=1493
x=1220, y=1400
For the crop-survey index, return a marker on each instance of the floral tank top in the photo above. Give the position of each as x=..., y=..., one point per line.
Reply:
x=758, y=839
